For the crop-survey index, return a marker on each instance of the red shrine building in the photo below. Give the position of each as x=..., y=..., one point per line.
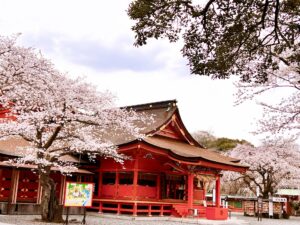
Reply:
x=166, y=174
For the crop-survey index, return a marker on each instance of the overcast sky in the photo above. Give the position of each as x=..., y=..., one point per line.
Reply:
x=93, y=38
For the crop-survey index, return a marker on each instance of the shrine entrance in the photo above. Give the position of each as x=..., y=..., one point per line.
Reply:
x=173, y=186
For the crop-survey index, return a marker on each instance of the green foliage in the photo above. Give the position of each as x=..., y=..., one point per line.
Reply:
x=225, y=144
x=296, y=205
x=221, y=144
x=224, y=37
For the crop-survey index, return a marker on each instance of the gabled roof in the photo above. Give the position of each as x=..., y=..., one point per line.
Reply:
x=12, y=147
x=192, y=153
x=163, y=113
x=187, y=149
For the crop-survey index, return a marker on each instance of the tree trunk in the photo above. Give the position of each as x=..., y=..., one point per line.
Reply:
x=51, y=211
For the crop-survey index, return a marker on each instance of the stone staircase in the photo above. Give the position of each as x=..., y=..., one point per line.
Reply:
x=179, y=210
x=182, y=211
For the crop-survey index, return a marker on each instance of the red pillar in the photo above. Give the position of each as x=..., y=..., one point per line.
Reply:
x=158, y=188
x=161, y=213
x=149, y=210
x=117, y=184
x=99, y=184
x=134, y=209
x=218, y=191
x=100, y=207
x=135, y=177
x=13, y=194
x=0, y=176
x=190, y=190
x=119, y=209
x=135, y=183
x=204, y=191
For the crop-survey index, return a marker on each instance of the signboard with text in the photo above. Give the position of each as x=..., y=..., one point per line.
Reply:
x=79, y=194
x=277, y=199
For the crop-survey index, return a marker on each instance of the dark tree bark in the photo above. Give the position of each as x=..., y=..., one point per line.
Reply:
x=51, y=211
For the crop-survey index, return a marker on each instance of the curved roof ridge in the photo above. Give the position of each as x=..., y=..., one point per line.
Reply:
x=151, y=105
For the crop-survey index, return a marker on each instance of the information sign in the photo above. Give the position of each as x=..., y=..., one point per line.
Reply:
x=79, y=194
x=277, y=199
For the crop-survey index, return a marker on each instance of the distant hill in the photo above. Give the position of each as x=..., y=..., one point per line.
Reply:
x=223, y=144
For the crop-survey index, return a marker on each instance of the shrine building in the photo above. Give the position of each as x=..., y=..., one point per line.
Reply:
x=165, y=174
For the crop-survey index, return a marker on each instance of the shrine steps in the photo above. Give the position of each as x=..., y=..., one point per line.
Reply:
x=184, y=211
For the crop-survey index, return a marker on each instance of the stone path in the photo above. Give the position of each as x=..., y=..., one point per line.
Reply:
x=111, y=219
x=253, y=220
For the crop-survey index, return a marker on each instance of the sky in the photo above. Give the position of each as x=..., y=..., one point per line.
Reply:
x=93, y=38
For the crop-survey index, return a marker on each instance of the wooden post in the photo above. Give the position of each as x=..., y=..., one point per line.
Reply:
x=149, y=210
x=118, y=208
x=158, y=187
x=15, y=185
x=218, y=191
x=39, y=193
x=161, y=210
x=12, y=199
x=67, y=216
x=84, y=216
x=186, y=187
x=135, y=178
x=100, y=207
x=100, y=184
x=135, y=209
x=135, y=183
x=117, y=184
x=1, y=176
x=190, y=190
x=62, y=189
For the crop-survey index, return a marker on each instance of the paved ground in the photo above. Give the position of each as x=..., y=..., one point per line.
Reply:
x=253, y=220
x=95, y=219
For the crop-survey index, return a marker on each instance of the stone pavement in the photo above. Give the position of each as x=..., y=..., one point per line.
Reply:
x=112, y=219
x=253, y=220
x=171, y=220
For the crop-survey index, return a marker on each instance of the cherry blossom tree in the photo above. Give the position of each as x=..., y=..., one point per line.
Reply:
x=281, y=115
x=57, y=116
x=272, y=165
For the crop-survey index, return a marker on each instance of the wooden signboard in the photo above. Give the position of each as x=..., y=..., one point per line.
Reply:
x=78, y=194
